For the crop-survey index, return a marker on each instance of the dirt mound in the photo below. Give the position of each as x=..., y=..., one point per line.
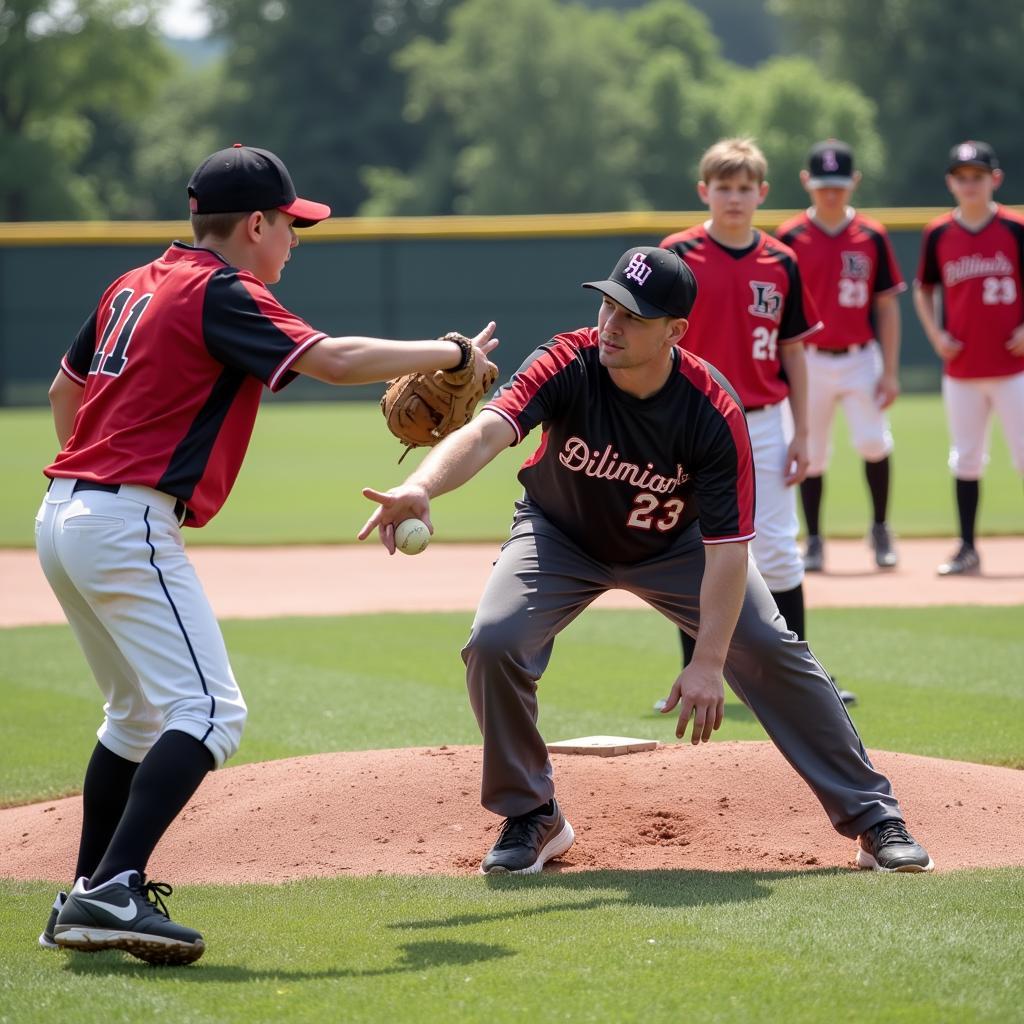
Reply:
x=726, y=806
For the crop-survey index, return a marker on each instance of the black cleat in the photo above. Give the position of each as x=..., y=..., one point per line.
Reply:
x=881, y=541
x=814, y=554
x=126, y=913
x=527, y=842
x=46, y=936
x=888, y=846
x=964, y=563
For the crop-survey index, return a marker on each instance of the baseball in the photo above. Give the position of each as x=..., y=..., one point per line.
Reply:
x=411, y=536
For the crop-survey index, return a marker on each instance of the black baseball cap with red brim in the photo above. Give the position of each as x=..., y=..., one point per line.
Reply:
x=650, y=282
x=241, y=179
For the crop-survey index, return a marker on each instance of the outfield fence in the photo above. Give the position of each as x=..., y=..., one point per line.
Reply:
x=382, y=276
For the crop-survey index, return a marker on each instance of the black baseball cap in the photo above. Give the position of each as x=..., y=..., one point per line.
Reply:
x=972, y=154
x=241, y=179
x=650, y=282
x=830, y=164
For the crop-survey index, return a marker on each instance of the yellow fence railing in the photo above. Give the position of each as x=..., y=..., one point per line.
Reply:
x=341, y=229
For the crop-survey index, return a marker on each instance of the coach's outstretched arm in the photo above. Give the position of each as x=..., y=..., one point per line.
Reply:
x=457, y=459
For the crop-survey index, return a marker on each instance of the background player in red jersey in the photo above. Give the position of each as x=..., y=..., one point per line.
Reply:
x=643, y=481
x=154, y=405
x=750, y=319
x=849, y=268
x=972, y=258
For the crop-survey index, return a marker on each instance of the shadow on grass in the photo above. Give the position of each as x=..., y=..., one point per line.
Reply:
x=624, y=888
x=413, y=957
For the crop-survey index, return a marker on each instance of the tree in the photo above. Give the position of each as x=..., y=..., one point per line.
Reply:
x=787, y=106
x=61, y=64
x=314, y=80
x=567, y=109
x=939, y=72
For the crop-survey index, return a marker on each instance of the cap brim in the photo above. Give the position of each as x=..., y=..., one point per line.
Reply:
x=981, y=164
x=306, y=212
x=624, y=297
x=834, y=181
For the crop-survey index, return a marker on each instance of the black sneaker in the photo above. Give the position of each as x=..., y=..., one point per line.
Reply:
x=126, y=913
x=814, y=554
x=881, y=541
x=526, y=843
x=46, y=937
x=964, y=563
x=888, y=846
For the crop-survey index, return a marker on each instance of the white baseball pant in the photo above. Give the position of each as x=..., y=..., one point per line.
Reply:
x=774, y=549
x=848, y=380
x=970, y=403
x=117, y=564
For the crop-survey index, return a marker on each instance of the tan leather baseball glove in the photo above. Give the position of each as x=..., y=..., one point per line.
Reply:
x=422, y=408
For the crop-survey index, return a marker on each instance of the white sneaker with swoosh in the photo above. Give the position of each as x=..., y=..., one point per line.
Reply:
x=126, y=913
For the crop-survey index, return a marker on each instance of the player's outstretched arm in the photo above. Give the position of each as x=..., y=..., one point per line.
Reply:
x=356, y=360
x=699, y=688
x=455, y=460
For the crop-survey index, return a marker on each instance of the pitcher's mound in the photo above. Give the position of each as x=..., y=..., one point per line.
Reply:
x=724, y=806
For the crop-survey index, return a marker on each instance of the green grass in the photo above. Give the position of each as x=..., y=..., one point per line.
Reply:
x=321, y=684
x=599, y=947
x=605, y=946
x=307, y=464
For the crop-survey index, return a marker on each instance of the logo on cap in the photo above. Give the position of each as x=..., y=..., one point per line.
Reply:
x=967, y=151
x=829, y=161
x=637, y=269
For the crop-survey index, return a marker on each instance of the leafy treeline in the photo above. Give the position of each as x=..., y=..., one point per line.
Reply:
x=492, y=106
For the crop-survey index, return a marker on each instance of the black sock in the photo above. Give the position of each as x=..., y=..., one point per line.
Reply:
x=877, y=474
x=689, y=645
x=108, y=780
x=791, y=605
x=810, y=497
x=968, y=493
x=168, y=776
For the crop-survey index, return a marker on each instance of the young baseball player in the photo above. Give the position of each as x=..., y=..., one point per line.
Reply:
x=972, y=259
x=849, y=269
x=643, y=480
x=750, y=319
x=154, y=405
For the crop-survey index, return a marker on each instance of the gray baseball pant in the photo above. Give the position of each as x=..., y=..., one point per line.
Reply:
x=542, y=580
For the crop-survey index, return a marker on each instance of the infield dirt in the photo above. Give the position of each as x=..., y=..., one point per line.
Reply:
x=723, y=806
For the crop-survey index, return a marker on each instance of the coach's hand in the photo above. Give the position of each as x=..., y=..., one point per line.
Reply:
x=702, y=694
x=407, y=501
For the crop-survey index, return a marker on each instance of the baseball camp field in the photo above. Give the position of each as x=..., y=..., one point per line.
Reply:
x=332, y=866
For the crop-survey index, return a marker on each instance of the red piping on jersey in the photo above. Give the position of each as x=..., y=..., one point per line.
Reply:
x=300, y=350
x=539, y=453
x=68, y=372
x=727, y=408
x=508, y=419
x=819, y=326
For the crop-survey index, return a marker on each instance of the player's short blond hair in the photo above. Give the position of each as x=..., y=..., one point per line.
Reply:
x=729, y=157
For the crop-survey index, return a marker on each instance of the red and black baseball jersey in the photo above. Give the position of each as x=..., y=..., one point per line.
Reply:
x=844, y=271
x=979, y=273
x=623, y=476
x=749, y=302
x=173, y=362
